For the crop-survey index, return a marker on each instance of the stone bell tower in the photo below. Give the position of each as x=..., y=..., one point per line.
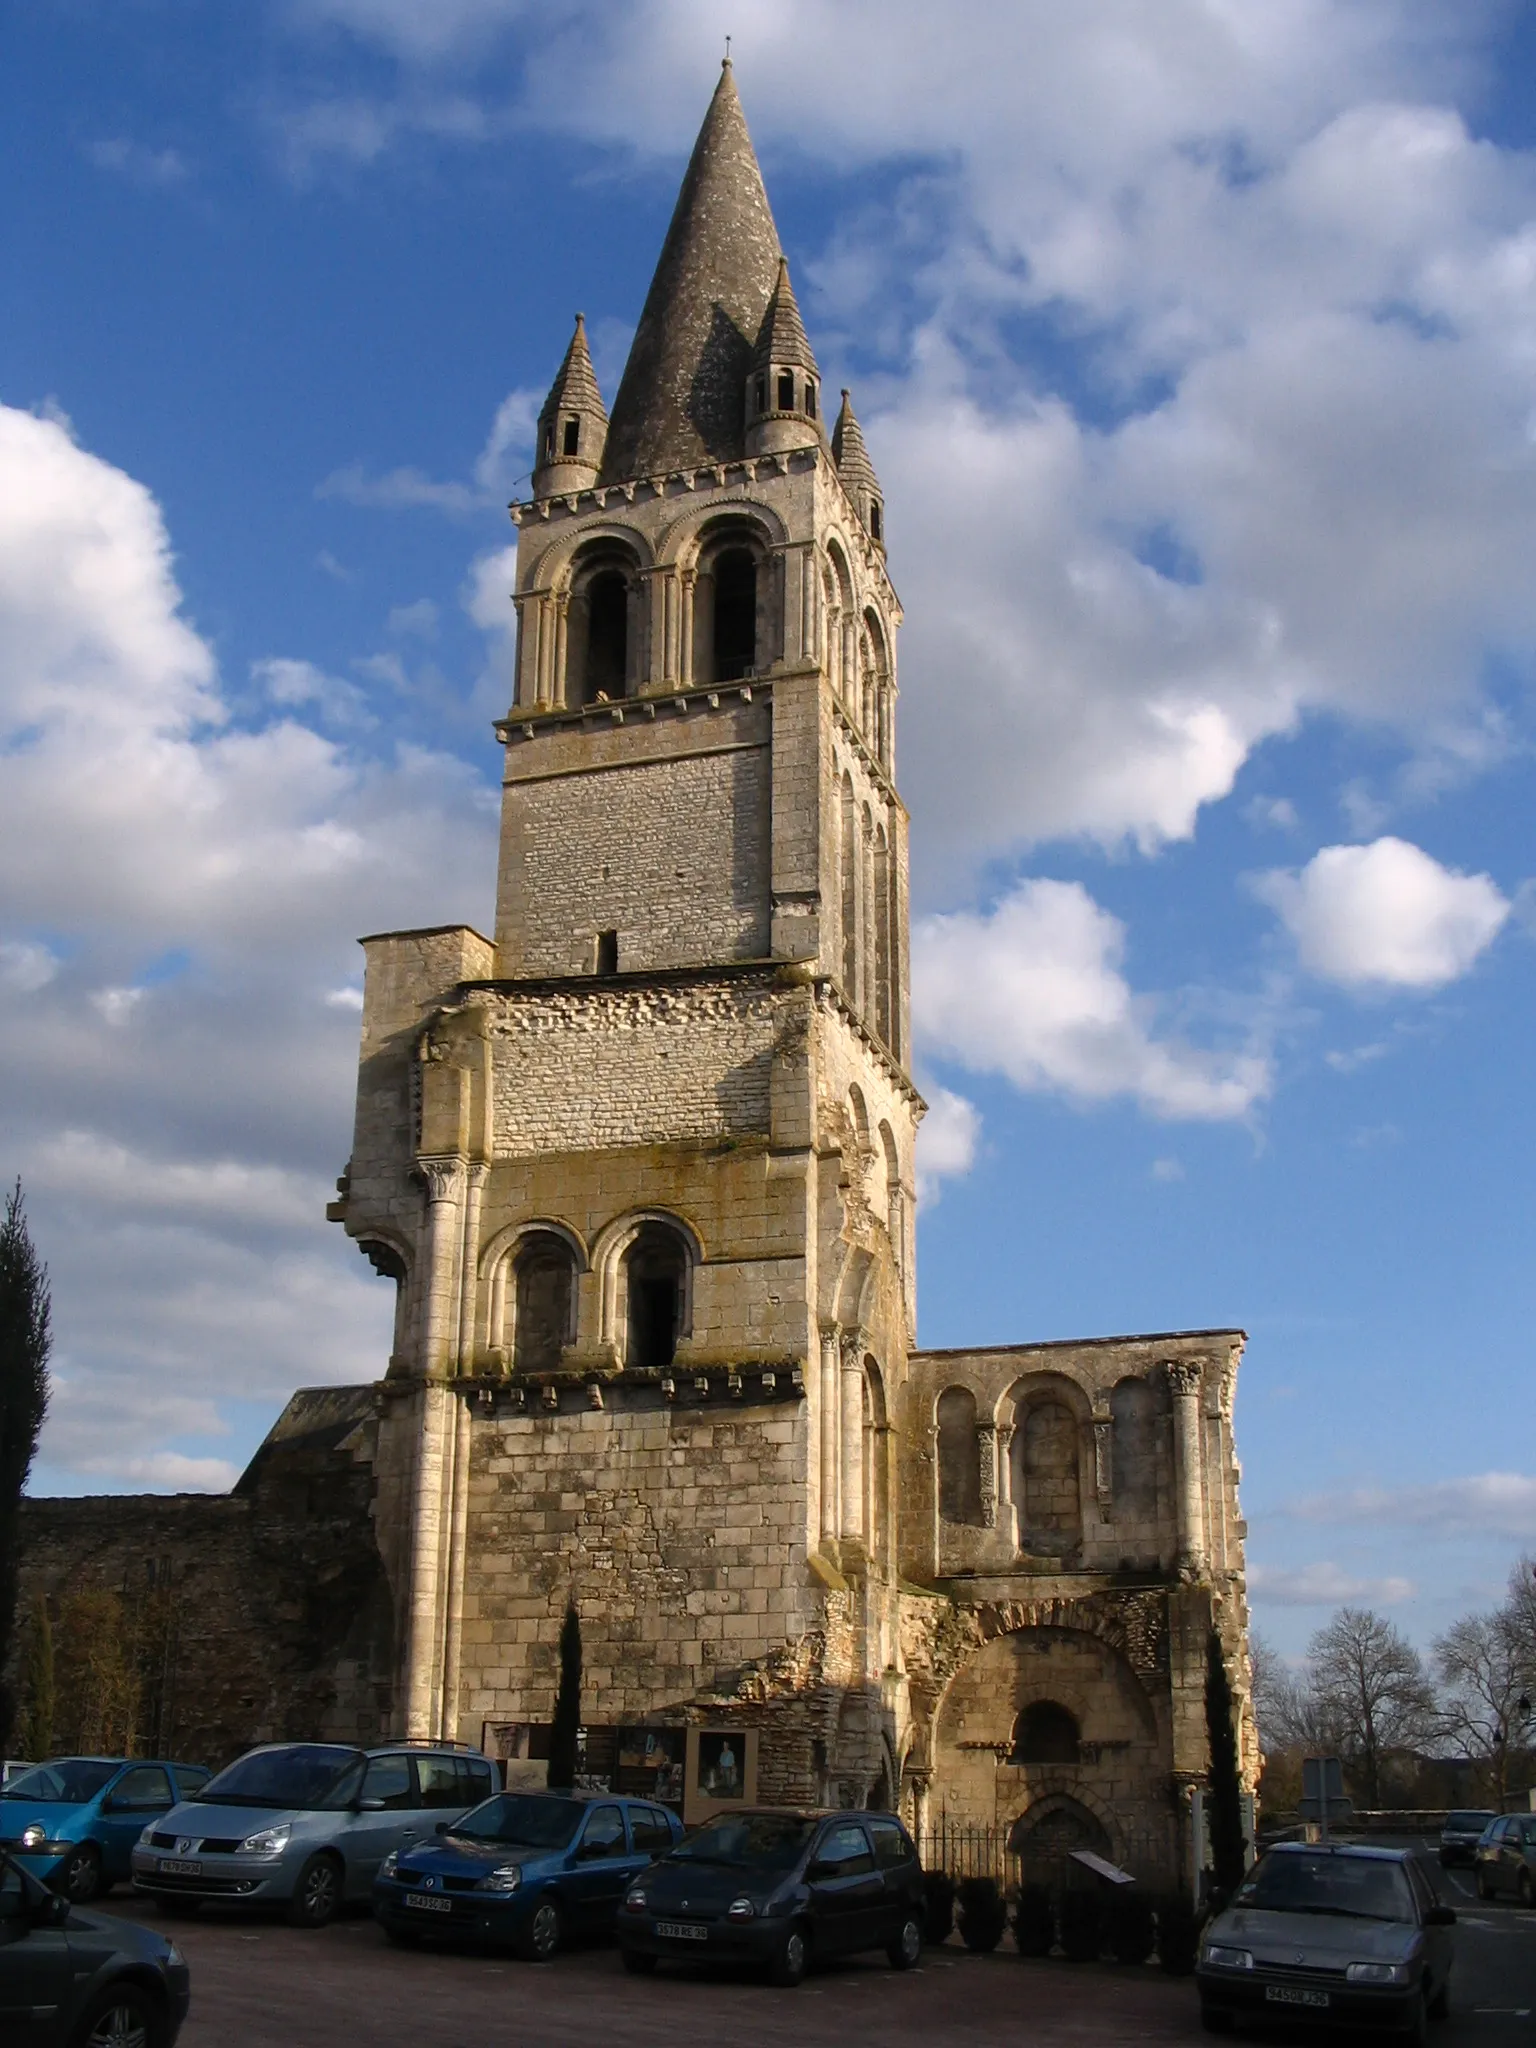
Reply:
x=642, y=1163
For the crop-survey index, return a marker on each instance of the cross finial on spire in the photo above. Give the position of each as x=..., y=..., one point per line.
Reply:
x=726, y=62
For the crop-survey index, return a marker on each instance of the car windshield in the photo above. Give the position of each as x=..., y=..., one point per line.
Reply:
x=750, y=1841
x=68, y=1781
x=302, y=1775
x=1367, y=1887
x=522, y=1817
x=1464, y=1823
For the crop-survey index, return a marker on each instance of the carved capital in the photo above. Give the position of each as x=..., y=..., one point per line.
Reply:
x=1183, y=1378
x=479, y=1172
x=854, y=1343
x=443, y=1176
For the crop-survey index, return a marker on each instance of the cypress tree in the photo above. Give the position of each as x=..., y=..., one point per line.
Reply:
x=562, y=1739
x=35, y=1729
x=1225, y=1797
x=24, y=1345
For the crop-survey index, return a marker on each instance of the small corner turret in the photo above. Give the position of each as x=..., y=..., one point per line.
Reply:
x=858, y=473
x=784, y=386
x=573, y=425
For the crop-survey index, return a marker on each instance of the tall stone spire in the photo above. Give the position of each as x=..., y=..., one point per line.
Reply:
x=858, y=472
x=573, y=424
x=680, y=401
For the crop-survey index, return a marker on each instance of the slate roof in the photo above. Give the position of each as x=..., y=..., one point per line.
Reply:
x=782, y=337
x=852, y=459
x=681, y=401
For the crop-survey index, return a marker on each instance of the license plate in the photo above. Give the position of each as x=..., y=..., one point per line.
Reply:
x=428, y=1902
x=1293, y=1994
x=681, y=1930
x=178, y=1866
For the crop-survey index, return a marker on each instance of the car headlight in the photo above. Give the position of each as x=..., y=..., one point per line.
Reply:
x=506, y=1877
x=33, y=1835
x=390, y=1864
x=174, y=1959
x=144, y=1834
x=634, y=1899
x=1228, y=1958
x=741, y=1909
x=267, y=1841
x=1376, y=1973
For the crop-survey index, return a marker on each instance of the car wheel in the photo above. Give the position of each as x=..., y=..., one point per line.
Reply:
x=789, y=1965
x=906, y=1951
x=1523, y=1888
x=637, y=1962
x=79, y=1875
x=317, y=1895
x=1216, y=2019
x=123, y=2016
x=540, y=1939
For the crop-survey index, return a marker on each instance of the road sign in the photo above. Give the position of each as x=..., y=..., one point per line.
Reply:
x=1322, y=1790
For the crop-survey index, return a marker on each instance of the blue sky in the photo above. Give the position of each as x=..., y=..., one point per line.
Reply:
x=1196, y=347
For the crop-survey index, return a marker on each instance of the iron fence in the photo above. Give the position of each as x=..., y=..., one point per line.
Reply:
x=964, y=1850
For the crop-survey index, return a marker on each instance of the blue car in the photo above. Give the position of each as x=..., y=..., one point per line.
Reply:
x=523, y=1870
x=73, y=1822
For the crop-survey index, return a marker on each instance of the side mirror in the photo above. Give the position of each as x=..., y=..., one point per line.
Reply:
x=443, y=1827
x=370, y=1806
x=1440, y=1916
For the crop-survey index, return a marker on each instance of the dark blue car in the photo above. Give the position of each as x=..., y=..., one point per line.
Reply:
x=523, y=1870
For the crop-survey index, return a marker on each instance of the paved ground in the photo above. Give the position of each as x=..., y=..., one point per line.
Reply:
x=258, y=1984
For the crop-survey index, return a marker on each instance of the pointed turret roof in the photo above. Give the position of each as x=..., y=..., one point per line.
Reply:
x=680, y=403
x=782, y=337
x=575, y=388
x=852, y=459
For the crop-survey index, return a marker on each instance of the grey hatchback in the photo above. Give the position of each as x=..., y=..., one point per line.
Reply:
x=1336, y=1934
x=305, y=1825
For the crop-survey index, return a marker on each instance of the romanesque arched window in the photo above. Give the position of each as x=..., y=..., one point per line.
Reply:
x=656, y=1290
x=849, y=854
x=1049, y=1496
x=606, y=665
x=883, y=937
x=543, y=1301
x=1045, y=1733
x=959, y=1461
x=735, y=615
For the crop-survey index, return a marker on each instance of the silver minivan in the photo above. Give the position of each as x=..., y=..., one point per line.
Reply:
x=305, y=1825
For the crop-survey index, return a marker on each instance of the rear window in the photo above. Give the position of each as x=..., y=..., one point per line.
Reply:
x=191, y=1778
x=891, y=1845
x=652, y=1832
x=1464, y=1823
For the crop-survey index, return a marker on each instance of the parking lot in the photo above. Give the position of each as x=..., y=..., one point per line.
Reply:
x=261, y=1984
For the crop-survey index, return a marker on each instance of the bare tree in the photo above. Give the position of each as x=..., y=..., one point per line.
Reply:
x=1371, y=1692
x=1484, y=1663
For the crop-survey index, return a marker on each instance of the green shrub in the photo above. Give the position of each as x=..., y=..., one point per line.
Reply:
x=982, y=1913
x=1034, y=1921
x=1177, y=1934
x=1082, y=1925
x=1132, y=1929
x=938, y=1906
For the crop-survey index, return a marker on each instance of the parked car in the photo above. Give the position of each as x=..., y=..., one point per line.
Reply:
x=1505, y=1859
x=1341, y=1934
x=305, y=1825
x=73, y=1822
x=73, y=1979
x=779, y=1888
x=12, y=1767
x=1461, y=1834
x=524, y=1870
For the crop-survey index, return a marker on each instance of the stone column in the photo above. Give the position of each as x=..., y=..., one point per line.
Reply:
x=1184, y=1385
x=986, y=1457
x=1103, y=1463
x=559, y=692
x=831, y=1426
x=1005, y=1514
x=477, y=1174
x=686, y=582
x=458, y=1527
x=422, y=1665
x=444, y=1179
x=853, y=1438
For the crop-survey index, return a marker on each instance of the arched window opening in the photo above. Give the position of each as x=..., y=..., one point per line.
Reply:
x=1133, y=1450
x=882, y=939
x=656, y=1271
x=735, y=634
x=959, y=1463
x=549, y=442
x=810, y=400
x=762, y=394
x=572, y=445
x=1045, y=1733
x=875, y=519
x=850, y=878
x=1047, y=1449
x=607, y=654
x=544, y=1302
x=786, y=391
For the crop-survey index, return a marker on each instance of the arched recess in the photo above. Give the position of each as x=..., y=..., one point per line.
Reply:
x=959, y=1463
x=1046, y=1466
x=1046, y=1834
x=895, y=1197
x=878, y=1488
x=541, y=1301
x=848, y=845
x=390, y=1258
x=604, y=602
x=882, y=937
x=734, y=610
x=878, y=668
x=646, y=1263
x=499, y=1271
x=1046, y=1732
x=840, y=656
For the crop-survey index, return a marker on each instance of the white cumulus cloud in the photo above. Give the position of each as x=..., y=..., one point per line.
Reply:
x=946, y=1141
x=1386, y=915
x=1033, y=990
